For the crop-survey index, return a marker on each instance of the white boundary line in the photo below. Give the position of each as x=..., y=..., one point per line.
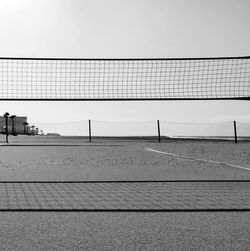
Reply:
x=196, y=159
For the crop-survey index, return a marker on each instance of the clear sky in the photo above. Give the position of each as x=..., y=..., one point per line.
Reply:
x=126, y=28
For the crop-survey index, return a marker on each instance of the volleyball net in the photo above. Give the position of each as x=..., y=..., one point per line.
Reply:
x=124, y=79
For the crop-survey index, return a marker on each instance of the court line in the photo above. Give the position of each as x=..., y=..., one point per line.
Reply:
x=197, y=159
x=118, y=181
x=142, y=210
x=62, y=145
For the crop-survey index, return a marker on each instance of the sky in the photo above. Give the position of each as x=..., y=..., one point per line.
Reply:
x=126, y=28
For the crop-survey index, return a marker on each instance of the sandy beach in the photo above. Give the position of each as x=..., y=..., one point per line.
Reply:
x=70, y=158
x=125, y=231
x=75, y=159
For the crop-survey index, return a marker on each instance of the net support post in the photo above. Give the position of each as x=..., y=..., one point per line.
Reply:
x=159, y=131
x=235, y=133
x=89, y=130
x=7, y=132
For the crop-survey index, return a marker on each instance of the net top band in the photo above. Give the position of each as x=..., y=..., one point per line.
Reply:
x=124, y=59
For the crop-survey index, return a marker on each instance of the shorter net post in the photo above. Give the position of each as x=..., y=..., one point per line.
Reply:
x=89, y=130
x=235, y=133
x=159, y=131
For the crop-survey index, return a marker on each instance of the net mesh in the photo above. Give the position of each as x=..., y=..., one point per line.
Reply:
x=73, y=128
x=243, y=130
x=197, y=130
x=124, y=79
x=124, y=129
x=144, y=129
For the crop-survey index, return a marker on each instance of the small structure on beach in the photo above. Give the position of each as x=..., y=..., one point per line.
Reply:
x=53, y=134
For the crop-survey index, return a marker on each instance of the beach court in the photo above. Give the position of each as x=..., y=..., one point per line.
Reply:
x=124, y=175
x=119, y=195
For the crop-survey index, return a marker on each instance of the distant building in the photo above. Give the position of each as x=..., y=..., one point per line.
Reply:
x=16, y=125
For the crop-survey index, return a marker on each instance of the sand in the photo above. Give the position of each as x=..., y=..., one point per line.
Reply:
x=125, y=231
x=121, y=160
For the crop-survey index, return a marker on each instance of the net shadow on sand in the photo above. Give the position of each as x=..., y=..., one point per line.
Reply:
x=124, y=196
